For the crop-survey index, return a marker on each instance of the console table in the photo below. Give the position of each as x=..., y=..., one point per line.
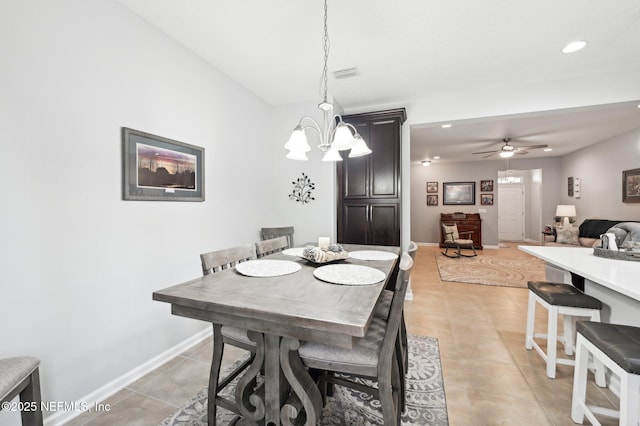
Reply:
x=465, y=222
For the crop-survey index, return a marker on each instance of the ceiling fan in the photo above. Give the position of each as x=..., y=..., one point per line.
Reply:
x=507, y=150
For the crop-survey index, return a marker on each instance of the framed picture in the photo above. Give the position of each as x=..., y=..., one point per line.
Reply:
x=458, y=193
x=486, y=199
x=570, y=187
x=432, y=187
x=486, y=185
x=432, y=200
x=160, y=169
x=631, y=186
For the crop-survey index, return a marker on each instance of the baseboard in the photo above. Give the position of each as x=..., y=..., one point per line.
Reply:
x=127, y=378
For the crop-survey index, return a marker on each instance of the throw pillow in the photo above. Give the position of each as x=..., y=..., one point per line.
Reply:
x=450, y=233
x=567, y=235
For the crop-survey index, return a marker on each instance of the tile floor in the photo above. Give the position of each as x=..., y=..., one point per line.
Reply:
x=490, y=378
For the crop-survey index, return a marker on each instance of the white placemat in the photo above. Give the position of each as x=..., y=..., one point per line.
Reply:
x=267, y=267
x=295, y=251
x=372, y=255
x=349, y=274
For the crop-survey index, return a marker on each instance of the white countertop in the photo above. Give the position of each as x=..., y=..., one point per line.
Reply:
x=619, y=275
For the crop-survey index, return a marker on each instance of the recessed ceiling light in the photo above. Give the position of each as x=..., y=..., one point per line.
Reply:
x=437, y=157
x=446, y=126
x=548, y=149
x=574, y=46
x=426, y=163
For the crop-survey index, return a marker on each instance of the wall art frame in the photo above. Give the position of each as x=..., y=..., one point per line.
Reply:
x=486, y=185
x=155, y=168
x=459, y=193
x=432, y=199
x=631, y=186
x=432, y=187
x=486, y=199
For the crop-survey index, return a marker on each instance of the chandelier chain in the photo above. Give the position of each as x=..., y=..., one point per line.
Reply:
x=325, y=72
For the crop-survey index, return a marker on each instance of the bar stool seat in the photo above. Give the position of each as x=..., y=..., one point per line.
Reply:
x=558, y=299
x=618, y=348
x=19, y=376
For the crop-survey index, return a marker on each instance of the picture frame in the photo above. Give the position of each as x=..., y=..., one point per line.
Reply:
x=432, y=187
x=432, y=200
x=486, y=199
x=631, y=186
x=155, y=168
x=570, y=187
x=458, y=193
x=486, y=185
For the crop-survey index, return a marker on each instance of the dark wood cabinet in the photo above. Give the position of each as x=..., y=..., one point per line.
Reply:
x=369, y=187
x=465, y=222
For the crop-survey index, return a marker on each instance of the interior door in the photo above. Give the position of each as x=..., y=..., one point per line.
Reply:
x=511, y=213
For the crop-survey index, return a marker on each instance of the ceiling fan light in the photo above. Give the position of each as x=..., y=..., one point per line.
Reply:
x=574, y=46
x=298, y=141
x=506, y=154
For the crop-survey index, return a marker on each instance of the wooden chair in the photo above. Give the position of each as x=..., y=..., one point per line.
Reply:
x=284, y=231
x=452, y=240
x=274, y=245
x=213, y=262
x=20, y=376
x=375, y=356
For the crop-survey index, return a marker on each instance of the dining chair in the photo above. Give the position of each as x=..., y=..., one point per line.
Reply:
x=283, y=231
x=374, y=357
x=20, y=376
x=212, y=262
x=274, y=245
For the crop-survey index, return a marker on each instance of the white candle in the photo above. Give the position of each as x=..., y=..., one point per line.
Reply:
x=323, y=242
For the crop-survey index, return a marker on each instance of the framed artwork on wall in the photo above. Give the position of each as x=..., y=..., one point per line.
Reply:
x=432, y=187
x=570, y=187
x=631, y=186
x=432, y=200
x=486, y=185
x=458, y=193
x=486, y=199
x=160, y=169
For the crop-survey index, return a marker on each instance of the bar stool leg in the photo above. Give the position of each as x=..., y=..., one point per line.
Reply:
x=629, y=399
x=531, y=319
x=569, y=332
x=552, y=341
x=579, y=382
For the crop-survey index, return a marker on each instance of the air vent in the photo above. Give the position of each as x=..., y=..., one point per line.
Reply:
x=346, y=73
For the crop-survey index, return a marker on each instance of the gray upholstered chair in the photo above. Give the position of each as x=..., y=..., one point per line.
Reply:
x=283, y=231
x=274, y=245
x=20, y=376
x=213, y=262
x=453, y=240
x=374, y=356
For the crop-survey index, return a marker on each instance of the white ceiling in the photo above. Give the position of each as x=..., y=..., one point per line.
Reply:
x=414, y=49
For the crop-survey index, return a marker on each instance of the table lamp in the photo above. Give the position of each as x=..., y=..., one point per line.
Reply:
x=565, y=211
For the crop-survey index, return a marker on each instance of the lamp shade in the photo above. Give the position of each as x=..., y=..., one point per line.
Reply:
x=298, y=141
x=343, y=138
x=360, y=148
x=563, y=210
x=332, y=155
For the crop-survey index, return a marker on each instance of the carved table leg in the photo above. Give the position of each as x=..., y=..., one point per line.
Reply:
x=302, y=384
x=250, y=404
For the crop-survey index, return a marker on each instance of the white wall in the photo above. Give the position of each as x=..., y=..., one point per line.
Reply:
x=599, y=168
x=79, y=265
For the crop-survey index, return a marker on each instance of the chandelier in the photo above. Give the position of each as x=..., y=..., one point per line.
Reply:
x=335, y=135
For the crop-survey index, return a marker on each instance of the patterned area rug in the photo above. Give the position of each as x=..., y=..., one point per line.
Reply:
x=491, y=270
x=426, y=404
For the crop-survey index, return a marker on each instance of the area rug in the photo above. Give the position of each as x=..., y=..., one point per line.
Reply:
x=425, y=401
x=491, y=270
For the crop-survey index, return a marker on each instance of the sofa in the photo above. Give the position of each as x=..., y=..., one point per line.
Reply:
x=585, y=235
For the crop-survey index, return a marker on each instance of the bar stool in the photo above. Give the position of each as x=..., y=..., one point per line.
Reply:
x=19, y=376
x=618, y=348
x=558, y=298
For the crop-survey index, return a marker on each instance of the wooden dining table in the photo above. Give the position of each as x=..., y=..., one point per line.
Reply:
x=281, y=312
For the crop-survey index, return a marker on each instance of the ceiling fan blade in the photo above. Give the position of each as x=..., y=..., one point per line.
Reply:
x=521, y=151
x=487, y=152
x=490, y=155
x=533, y=146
